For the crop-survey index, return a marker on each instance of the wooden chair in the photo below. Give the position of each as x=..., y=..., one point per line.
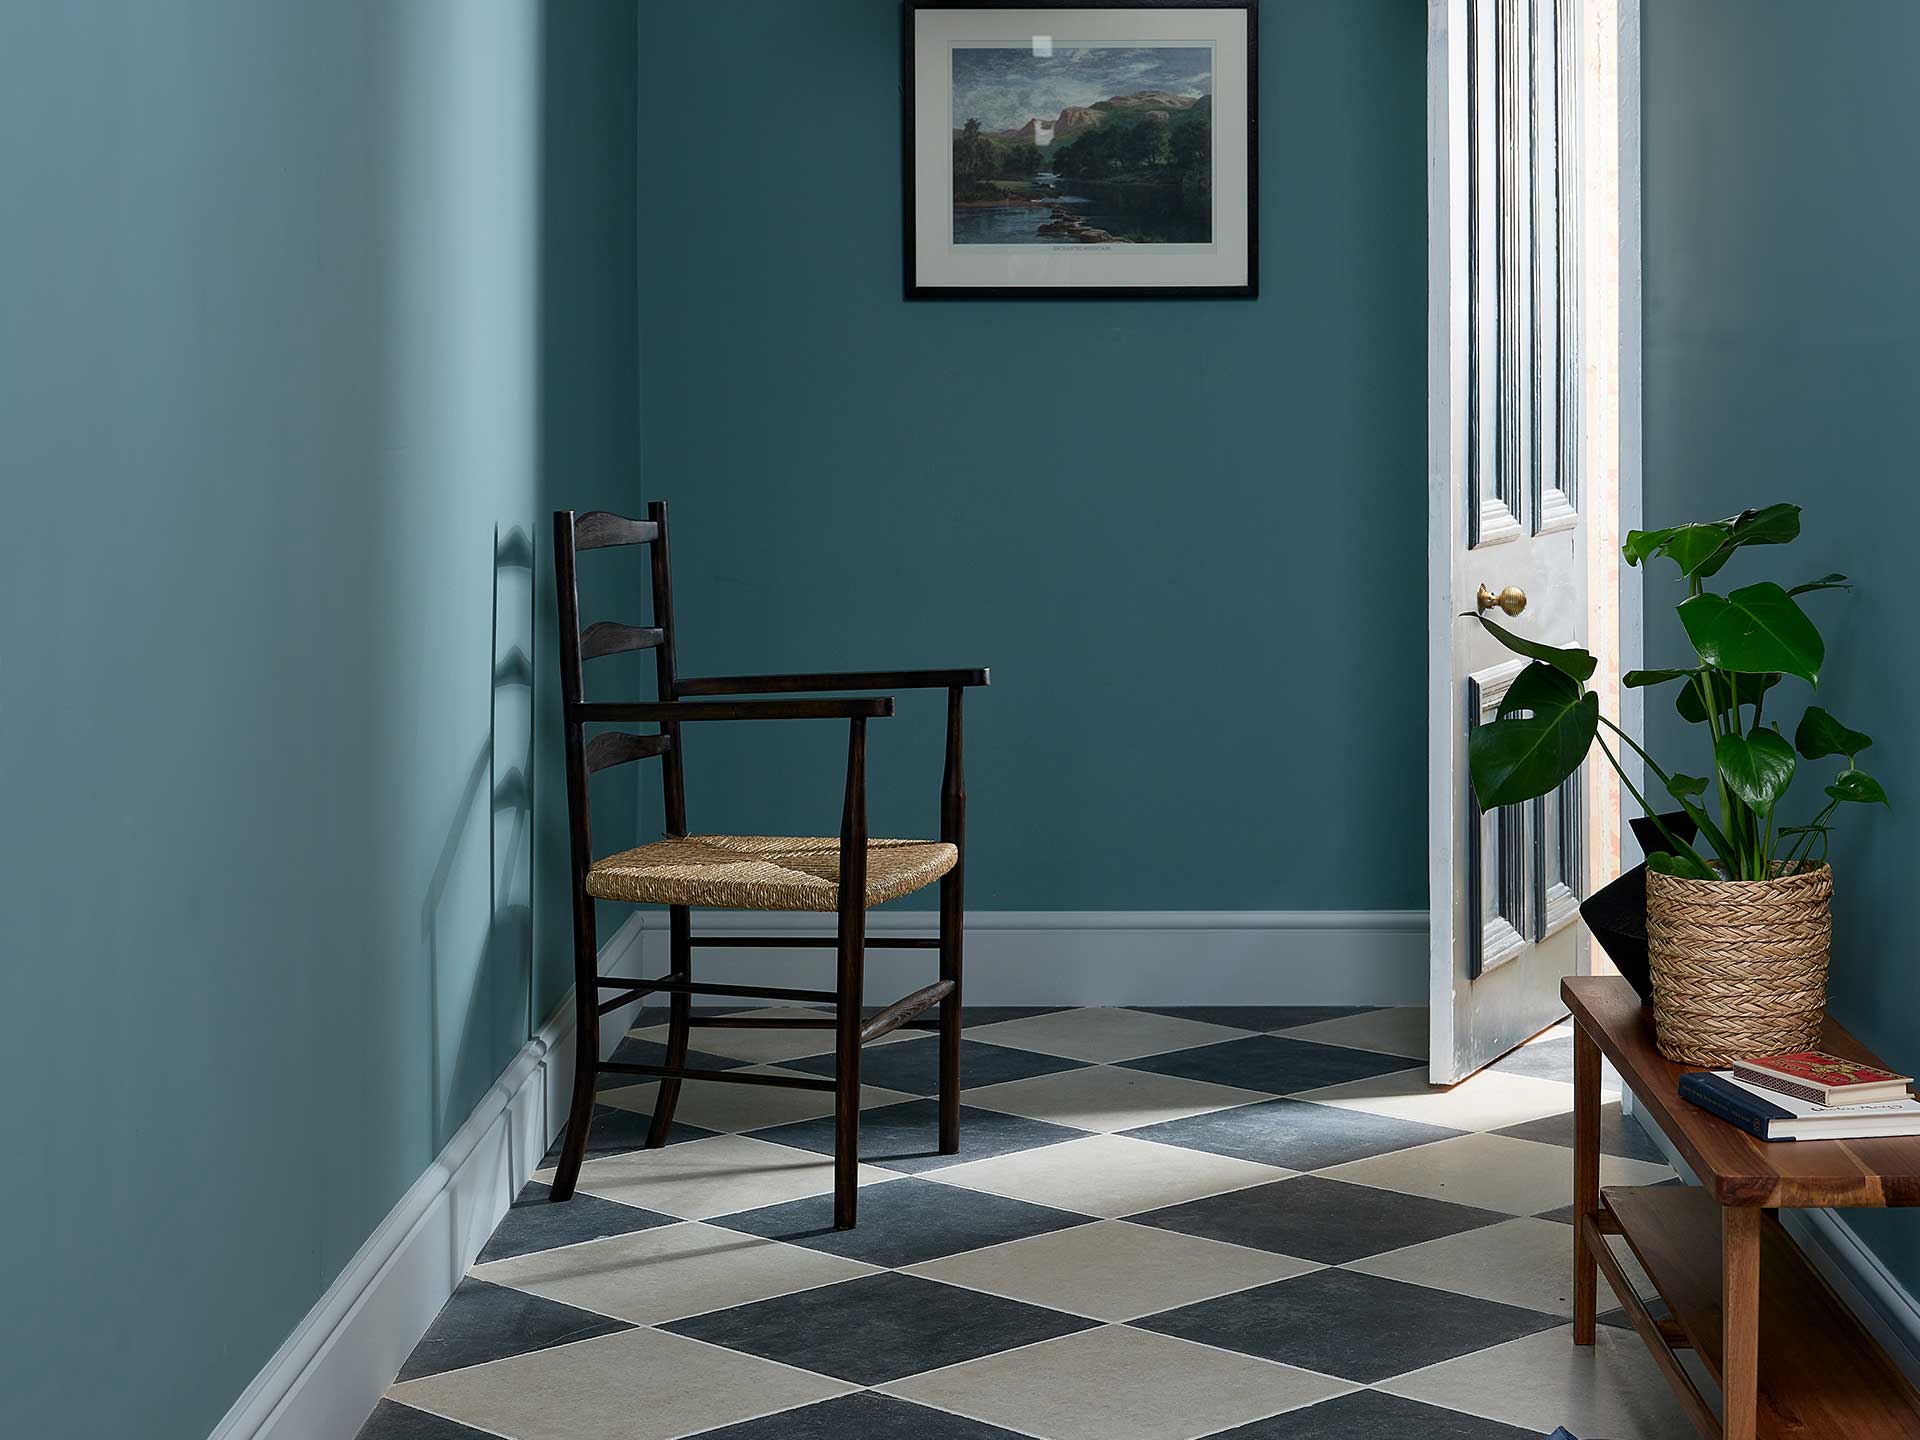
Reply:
x=744, y=872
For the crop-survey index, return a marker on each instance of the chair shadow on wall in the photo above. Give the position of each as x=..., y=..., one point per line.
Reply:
x=487, y=1001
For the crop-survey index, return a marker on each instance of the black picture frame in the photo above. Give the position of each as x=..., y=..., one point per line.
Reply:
x=914, y=290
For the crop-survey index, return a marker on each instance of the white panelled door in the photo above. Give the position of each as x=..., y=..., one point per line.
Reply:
x=1505, y=529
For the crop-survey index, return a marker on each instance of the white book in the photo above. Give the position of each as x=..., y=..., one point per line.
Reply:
x=1833, y=1122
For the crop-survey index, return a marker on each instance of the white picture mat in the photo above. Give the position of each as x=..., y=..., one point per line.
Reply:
x=940, y=262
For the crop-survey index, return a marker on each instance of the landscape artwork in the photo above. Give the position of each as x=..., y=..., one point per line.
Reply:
x=1083, y=145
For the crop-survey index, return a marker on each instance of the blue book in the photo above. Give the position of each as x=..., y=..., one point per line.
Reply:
x=1563, y=1434
x=1785, y=1117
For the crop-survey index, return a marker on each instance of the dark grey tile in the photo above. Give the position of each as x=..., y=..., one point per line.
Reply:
x=879, y=1327
x=1619, y=1134
x=1543, y=1060
x=490, y=1322
x=913, y=1066
x=1276, y=1064
x=907, y=1136
x=1374, y=1415
x=1315, y=1219
x=865, y=1416
x=1564, y=1215
x=1296, y=1134
x=537, y=1222
x=1359, y=1327
x=616, y=1131
x=393, y=1421
x=634, y=1051
x=1256, y=1017
x=905, y=1222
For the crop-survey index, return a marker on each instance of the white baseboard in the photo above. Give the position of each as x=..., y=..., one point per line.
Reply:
x=325, y=1380
x=1885, y=1306
x=1104, y=957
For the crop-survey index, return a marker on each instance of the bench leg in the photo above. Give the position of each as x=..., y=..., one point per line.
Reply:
x=1740, y=1317
x=1586, y=1179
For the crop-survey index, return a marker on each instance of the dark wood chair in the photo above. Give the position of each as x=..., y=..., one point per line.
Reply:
x=745, y=872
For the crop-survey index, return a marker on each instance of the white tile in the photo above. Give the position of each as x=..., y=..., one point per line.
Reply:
x=1112, y=1270
x=1493, y=1172
x=1399, y=1030
x=1100, y=1097
x=1522, y=1262
x=716, y=1176
x=1104, y=1036
x=725, y=1105
x=1112, y=1382
x=1489, y=1100
x=764, y=1044
x=637, y=1385
x=670, y=1272
x=1108, y=1175
x=1612, y=1388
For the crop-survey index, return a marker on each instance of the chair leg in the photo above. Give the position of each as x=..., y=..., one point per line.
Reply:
x=586, y=1071
x=679, y=1016
x=952, y=931
x=848, y=997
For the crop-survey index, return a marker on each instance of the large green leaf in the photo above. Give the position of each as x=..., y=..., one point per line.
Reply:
x=1636, y=679
x=1644, y=544
x=1577, y=663
x=1821, y=735
x=1747, y=690
x=1770, y=525
x=1756, y=628
x=1687, y=865
x=1686, y=787
x=1859, y=787
x=1757, y=767
x=1833, y=581
x=1516, y=756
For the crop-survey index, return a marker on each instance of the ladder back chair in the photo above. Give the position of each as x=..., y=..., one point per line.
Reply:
x=745, y=872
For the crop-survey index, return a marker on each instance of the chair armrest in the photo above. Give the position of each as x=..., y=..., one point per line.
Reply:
x=670, y=712
x=830, y=680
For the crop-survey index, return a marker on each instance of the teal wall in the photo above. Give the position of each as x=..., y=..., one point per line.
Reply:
x=1782, y=362
x=1188, y=536
x=304, y=305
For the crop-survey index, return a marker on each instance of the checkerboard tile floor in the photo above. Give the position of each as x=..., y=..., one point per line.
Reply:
x=1163, y=1224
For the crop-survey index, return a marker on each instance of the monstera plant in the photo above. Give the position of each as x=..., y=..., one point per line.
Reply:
x=1745, y=642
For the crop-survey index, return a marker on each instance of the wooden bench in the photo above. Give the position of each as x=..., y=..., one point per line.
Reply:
x=1791, y=1361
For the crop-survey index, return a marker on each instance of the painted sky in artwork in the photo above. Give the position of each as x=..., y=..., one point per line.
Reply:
x=1005, y=88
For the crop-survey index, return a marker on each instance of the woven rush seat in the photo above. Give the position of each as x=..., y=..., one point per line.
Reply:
x=762, y=872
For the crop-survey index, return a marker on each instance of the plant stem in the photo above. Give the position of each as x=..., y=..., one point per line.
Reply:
x=1678, y=846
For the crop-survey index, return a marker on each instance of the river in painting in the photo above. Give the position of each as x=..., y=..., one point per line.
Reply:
x=1142, y=214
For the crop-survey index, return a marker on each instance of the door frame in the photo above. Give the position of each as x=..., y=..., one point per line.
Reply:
x=1609, y=192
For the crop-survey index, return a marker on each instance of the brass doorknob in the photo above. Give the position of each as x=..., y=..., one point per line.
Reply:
x=1512, y=600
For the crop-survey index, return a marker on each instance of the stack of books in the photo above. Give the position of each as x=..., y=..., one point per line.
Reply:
x=1807, y=1095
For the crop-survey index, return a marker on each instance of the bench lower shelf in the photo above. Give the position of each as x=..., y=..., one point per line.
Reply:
x=1822, y=1376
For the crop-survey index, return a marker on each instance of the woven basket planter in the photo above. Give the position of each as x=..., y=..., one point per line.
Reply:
x=1739, y=966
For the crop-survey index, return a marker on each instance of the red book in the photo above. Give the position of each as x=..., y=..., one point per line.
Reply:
x=1823, y=1079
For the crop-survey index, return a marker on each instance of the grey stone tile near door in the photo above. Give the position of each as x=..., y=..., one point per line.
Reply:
x=1296, y=1134
x=485, y=1322
x=865, y=1416
x=1322, y=1220
x=906, y=1137
x=879, y=1329
x=1374, y=1415
x=1359, y=1327
x=904, y=1223
x=615, y=1131
x=1257, y=1017
x=1273, y=1063
x=536, y=1223
x=1619, y=1134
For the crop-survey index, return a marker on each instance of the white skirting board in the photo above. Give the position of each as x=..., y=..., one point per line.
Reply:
x=325, y=1380
x=1885, y=1306
x=1099, y=957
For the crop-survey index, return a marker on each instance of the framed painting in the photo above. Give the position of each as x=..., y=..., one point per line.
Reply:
x=1098, y=150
